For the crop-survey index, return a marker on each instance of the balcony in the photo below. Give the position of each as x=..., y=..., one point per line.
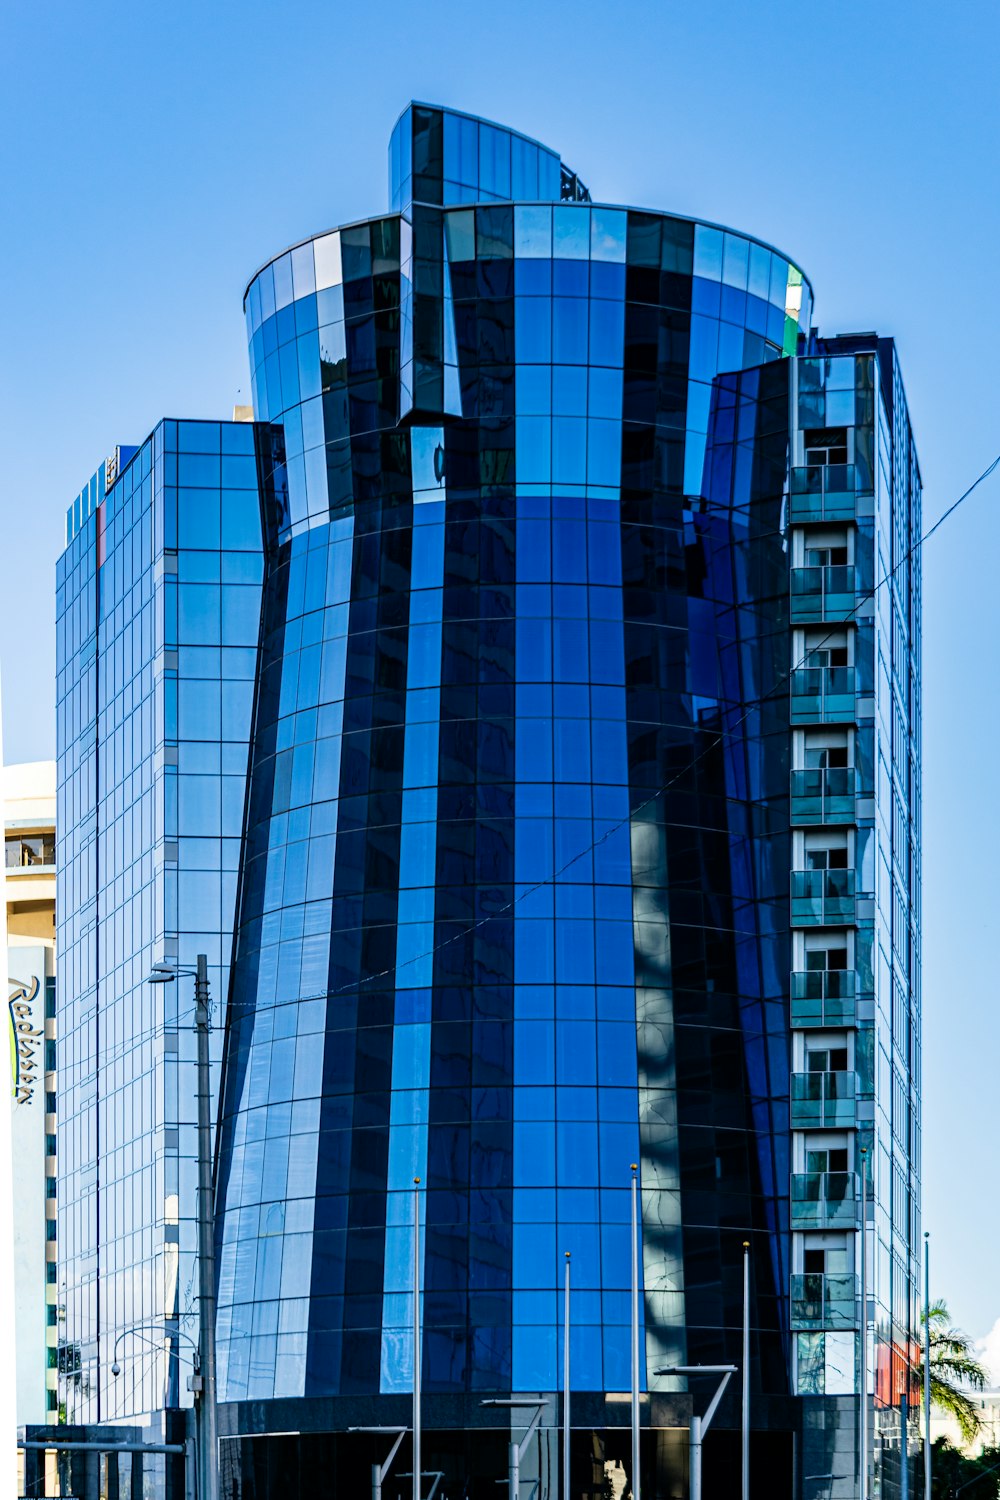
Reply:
x=822, y=898
x=823, y=695
x=823, y=1100
x=823, y=795
x=822, y=997
x=821, y=1301
x=820, y=595
x=822, y=492
x=824, y=1200
x=29, y=854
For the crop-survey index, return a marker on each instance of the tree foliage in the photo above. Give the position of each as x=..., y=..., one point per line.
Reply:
x=955, y=1372
x=952, y=1470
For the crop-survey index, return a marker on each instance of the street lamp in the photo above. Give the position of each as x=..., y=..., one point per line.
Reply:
x=194, y=1381
x=134, y=1333
x=379, y=1471
x=700, y=1425
x=208, y=1448
x=517, y=1450
x=822, y=1478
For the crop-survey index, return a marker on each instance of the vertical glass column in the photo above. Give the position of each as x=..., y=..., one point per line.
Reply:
x=411, y=1052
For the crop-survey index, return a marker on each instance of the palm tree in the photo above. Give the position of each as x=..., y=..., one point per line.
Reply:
x=954, y=1368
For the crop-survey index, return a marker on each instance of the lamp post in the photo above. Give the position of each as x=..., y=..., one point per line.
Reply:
x=195, y=1384
x=134, y=1332
x=827, y=1479
x=517, y=1450
x=700, y=1425
x=208, y=1447
x=379, y=1471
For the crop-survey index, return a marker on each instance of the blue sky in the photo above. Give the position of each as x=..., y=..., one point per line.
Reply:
x=155, y=156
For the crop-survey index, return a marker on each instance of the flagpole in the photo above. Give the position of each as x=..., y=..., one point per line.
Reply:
x=863, y=1423
x=417, y=1474
x=566, y=1427
x=927, y=1364
x=746, y=1372
x=636, y=1481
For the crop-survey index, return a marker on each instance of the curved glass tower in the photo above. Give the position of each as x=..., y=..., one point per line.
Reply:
x=517, y=894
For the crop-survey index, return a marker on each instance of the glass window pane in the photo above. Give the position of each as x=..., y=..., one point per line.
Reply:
x=571, y=231
x=533, y=231
x=608, y=228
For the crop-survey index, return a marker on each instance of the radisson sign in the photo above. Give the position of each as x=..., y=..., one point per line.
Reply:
x=25, y=1038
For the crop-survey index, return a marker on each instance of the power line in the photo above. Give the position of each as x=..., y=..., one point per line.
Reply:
x=718, y=739
x=550, y=880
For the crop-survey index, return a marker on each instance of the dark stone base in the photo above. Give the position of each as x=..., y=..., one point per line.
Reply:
x=288, y=1448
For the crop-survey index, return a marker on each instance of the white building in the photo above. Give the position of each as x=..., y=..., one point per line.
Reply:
x=987, y=1404
x=29, y=801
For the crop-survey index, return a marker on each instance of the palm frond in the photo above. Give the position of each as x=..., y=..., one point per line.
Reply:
x=954, y=1370
x=948, y=1398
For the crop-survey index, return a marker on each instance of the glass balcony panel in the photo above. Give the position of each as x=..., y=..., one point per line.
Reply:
x=823, y=1100
x=820, y=594
x=823, y=795
x=822, y=897
x=821, y=1200
x=822, y=997
x=822, y=492
x=822, y=695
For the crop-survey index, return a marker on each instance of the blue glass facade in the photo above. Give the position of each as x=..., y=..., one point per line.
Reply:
x=441, y=156
x=580, y=828
x=515, y=900
x=158, y=608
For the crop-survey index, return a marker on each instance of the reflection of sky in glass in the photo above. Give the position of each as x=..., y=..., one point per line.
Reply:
x=152, y=744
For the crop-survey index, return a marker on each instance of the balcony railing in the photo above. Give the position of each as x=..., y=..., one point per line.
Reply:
x=823, y=997
x=821, y=898
x=29, y=852
x=823, y=695
x=822, y=492
x=823, y=795
x=821, y=594
x=824, y=1200
x=824, y=1301
x=823, y=1099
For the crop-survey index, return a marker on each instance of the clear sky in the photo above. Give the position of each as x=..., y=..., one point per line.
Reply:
x=154, y=156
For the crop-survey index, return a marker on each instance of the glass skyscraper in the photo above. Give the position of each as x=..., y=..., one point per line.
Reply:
x=158, y=608
x=581, y=829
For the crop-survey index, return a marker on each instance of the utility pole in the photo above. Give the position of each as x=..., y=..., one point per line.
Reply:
x=204, y=1382
x=209, y=1454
